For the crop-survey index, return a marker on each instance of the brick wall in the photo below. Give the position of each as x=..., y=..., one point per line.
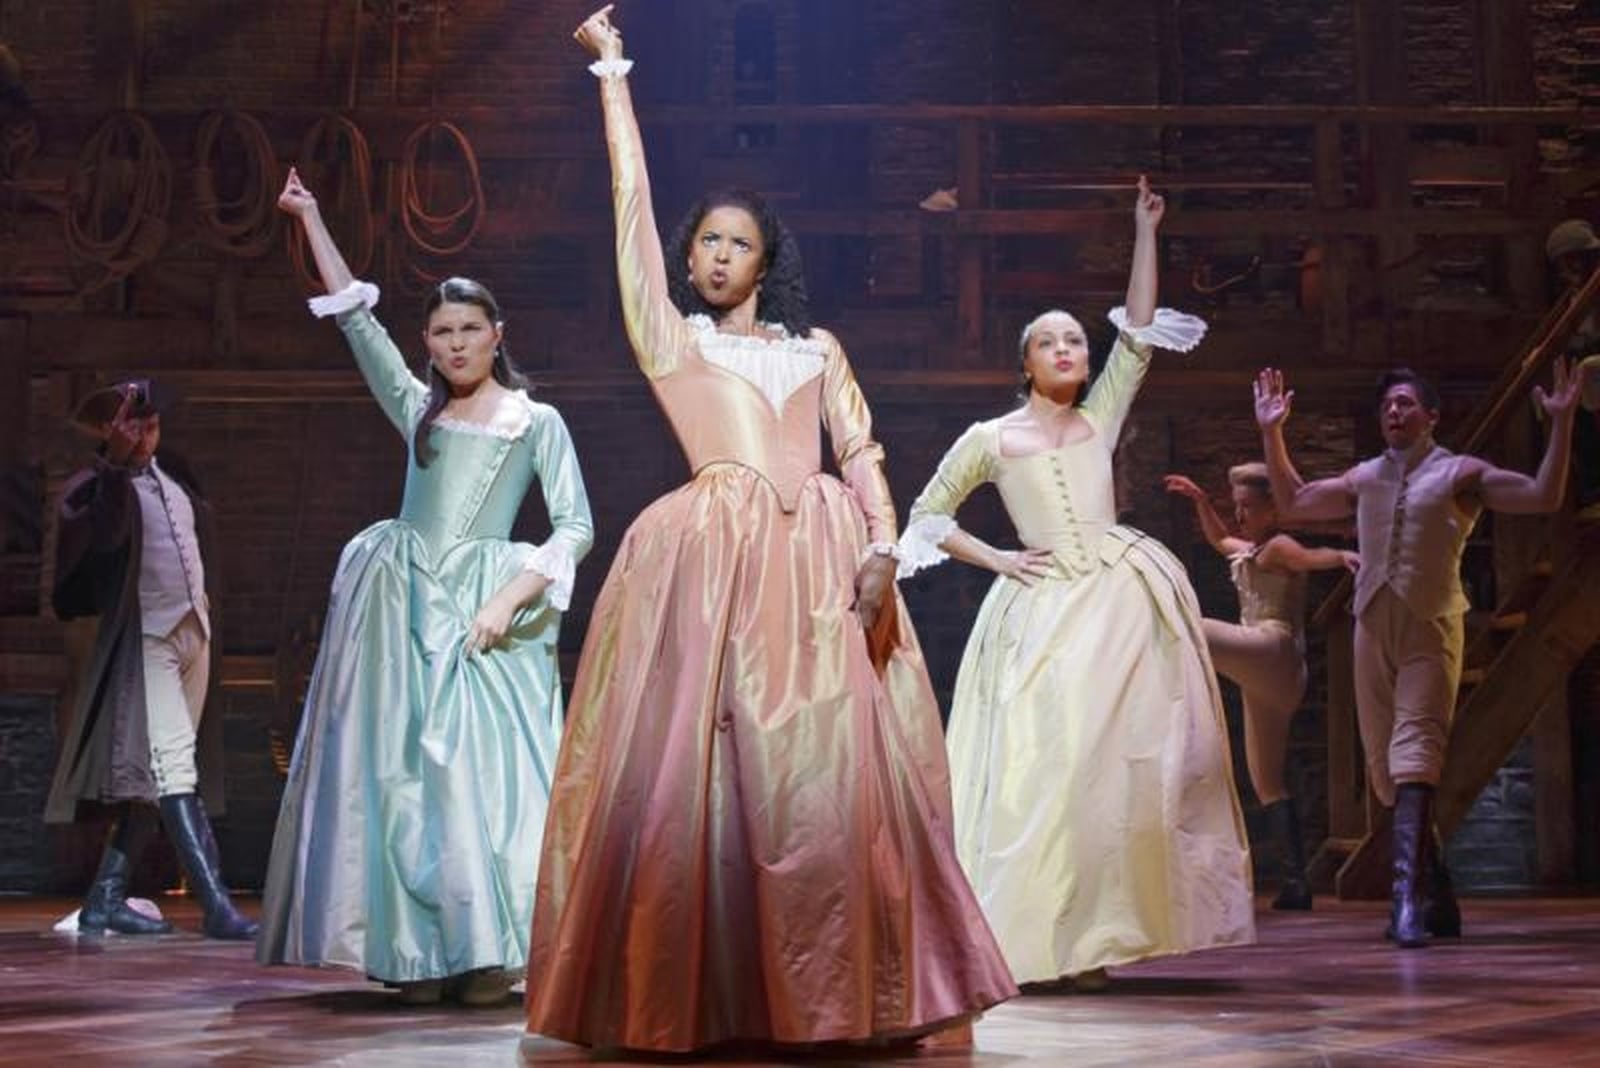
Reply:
x=293, y=478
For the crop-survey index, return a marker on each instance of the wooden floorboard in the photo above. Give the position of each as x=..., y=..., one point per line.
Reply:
x=1320, y=989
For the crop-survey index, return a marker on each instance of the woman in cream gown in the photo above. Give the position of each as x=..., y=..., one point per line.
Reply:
x=1095, y=807
x=749, y=834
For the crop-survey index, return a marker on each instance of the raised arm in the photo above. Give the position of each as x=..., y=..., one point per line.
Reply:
x=1139, y=326
x=400, y=393
x=1142, y=277
x=1512, y=491
x=296, y=200
x=1211, y=524
x=655, y=327
x=1297, y=500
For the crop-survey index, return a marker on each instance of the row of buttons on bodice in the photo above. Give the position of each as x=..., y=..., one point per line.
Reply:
x=1076, y=560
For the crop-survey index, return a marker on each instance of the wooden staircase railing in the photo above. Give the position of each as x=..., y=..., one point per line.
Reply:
x=1516, y=661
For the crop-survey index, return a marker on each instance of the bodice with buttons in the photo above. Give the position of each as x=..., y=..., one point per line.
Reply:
x=1412, y=531
x=1062, y=500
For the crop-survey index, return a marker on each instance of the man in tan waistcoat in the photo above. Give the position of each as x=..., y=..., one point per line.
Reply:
x=1414, y=505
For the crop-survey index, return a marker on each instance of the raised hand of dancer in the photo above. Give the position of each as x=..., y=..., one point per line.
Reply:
x=1183, y=486
x=1562, y=400
x=1027, y=566
x=1149, y=207
x=123, y=434
x=1272, y=401
x=296, y=199
x=597, y=34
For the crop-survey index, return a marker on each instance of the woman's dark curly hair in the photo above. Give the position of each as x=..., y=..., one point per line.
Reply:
x=459, y=291
x=782, y=298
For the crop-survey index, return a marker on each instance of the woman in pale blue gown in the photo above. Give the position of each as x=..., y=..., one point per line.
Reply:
x=408, y=839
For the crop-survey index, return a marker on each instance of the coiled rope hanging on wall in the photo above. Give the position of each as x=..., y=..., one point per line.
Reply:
x=445, y=233
x=337, y=162
x=246, y=224
x=118, y=199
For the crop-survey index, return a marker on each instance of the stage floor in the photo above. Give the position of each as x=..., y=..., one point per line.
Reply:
x=1321, y=988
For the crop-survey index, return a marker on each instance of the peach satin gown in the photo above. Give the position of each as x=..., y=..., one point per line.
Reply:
x=750, y=830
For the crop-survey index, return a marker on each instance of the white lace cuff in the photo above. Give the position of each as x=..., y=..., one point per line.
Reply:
x=611, y=68
x=554, y=562
x=1170, y=329
x=919, y=544
x=354, y=295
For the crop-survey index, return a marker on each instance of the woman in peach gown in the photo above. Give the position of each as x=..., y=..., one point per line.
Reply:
x=749, y=833
x=1095, y=807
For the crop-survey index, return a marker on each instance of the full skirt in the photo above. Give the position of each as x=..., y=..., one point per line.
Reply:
x=750, y=835
x=410, y=825
x=1094, y=797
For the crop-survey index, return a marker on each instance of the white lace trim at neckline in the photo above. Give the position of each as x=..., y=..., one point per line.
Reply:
x=506, y=428
x=777, y=366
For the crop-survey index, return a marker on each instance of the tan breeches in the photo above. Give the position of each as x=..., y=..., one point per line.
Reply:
x=1407, y=672
x=1267, y=665
x=176, y=670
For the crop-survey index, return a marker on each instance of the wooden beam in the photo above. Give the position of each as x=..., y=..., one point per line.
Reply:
x=535, y=120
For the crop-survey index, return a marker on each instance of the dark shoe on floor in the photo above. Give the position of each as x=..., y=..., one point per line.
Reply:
x=1443, y=918
x=420, y=992
x=1413, y=840
x=184, y=817
x=1093, y=981
x=1294, y=889
x=483, y=987
x=105, y=907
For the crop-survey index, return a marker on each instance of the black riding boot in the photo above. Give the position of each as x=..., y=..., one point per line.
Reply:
x=105, y=907
x=1294, y=890
x=190, y=831
x=1443, y=917
x=1413, y=835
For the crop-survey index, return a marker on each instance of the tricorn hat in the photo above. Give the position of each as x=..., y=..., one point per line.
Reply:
x=145, y=397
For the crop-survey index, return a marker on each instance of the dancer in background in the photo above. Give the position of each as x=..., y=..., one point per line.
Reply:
x=411, y=819
x=1414, y=506
x=1264, y=653
x=1095, y=807
x=749, y=836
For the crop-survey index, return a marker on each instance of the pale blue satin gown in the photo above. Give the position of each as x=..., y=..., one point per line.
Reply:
x=409, y=835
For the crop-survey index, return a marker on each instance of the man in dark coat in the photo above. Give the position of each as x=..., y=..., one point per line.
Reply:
x=130, y=550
